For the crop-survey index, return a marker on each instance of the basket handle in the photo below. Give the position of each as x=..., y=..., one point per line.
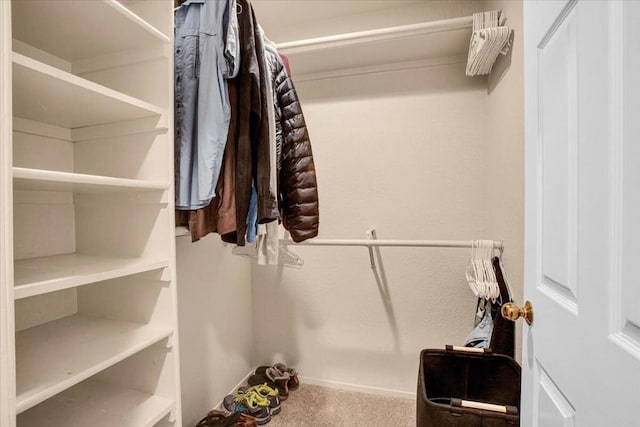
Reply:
x=467, y=349
x=503, y=409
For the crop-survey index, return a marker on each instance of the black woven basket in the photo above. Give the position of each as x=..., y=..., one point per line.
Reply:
x=454, y=388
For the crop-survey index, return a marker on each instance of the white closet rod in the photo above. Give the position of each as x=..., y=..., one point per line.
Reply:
x=373, y=241
x=497, y=244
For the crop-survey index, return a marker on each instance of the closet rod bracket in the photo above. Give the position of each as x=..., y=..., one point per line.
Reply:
x=371, y=235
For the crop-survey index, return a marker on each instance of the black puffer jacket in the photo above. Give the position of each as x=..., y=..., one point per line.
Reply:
x=297, y=181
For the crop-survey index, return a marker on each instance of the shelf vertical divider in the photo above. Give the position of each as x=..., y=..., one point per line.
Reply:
x=7, y=335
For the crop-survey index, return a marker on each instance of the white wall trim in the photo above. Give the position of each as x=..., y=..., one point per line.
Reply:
x=143, y=125
x=41, y=55
x=616, y=163
x=337, y=385
x=235, y=388
x=121, y=59
x=32, y=127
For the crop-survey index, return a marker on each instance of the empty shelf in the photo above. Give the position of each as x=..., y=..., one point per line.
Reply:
x=44, y=180
x=35, y=276
x=182, y=231
x=57, y=355
x=97, y=404
x=46, y=94
x=75, y=30
x=407, y=43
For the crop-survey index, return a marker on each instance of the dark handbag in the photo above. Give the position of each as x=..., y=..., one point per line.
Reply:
x=503, y=338
x=503, y=335
x=467, y=388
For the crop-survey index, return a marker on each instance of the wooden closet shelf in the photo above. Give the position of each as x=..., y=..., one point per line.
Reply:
x=44, y=180
x=49, y=360
x=46, y=94
x=98, y=404
x=76, y=30
x=36, y=276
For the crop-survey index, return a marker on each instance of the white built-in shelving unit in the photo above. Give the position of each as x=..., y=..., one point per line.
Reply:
x=88, y=322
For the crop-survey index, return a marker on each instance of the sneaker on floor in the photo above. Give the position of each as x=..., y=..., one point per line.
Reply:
x=267, y=392
x=293, y=382
x=274, y=379
x=251, y=403
x=219, y=419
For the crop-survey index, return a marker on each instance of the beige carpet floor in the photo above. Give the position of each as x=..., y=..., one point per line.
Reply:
x=314, y=406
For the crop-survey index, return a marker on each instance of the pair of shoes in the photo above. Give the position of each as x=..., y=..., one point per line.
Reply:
x=267, y=392
x=251, y=403
x=219, y=419
x=276, y=378
x=293, y=382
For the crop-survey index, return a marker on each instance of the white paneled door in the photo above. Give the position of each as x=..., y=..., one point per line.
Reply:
x=581, y=355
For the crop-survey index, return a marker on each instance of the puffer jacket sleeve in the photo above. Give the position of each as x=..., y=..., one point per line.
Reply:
x=298, y=187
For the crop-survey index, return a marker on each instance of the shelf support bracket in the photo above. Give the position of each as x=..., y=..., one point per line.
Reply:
x=170, y=342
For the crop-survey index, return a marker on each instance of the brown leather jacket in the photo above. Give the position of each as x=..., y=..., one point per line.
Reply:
x=297, y=181
x=251, y=128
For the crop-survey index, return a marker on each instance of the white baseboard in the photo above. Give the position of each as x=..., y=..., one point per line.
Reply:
x=358, y=388
x=235, y=389
x=335, y=385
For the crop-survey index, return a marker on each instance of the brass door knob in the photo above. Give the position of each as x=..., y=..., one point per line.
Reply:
x=512, y=312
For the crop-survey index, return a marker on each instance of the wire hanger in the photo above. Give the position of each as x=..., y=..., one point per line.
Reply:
x=480, y=273
x=286, y=257
x=489, y=39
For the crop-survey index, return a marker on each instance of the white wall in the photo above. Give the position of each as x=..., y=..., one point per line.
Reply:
x=215, y=320
x=505, y=135
x=425, y=153
x=405, y=152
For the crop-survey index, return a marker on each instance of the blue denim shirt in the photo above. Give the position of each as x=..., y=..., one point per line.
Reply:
x=252, y=216
x=207, y=51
